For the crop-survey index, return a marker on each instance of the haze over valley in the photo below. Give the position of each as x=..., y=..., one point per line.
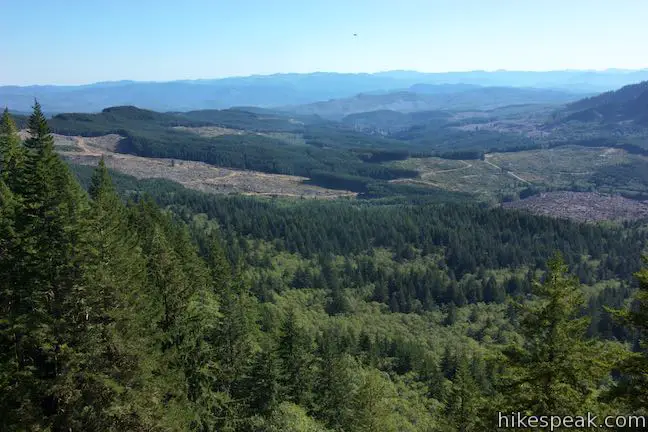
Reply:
x=339, y=217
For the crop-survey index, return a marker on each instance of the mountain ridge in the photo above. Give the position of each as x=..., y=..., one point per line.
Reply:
x=478, y=98
x=288, y=89
x=627, y=104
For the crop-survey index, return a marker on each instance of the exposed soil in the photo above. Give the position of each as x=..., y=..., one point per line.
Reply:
x=582, y=206
x=191, y=174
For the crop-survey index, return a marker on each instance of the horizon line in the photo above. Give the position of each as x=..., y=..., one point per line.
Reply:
x=268, y=75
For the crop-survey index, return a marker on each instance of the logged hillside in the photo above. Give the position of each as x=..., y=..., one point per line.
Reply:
x=387, y=152
x=350, y=155
x=582, y=206
x=79, y=150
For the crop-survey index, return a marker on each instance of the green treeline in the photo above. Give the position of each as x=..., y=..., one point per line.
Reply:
x=470, y=236
x=151, y=134
x=330, y=154
x=236, y=314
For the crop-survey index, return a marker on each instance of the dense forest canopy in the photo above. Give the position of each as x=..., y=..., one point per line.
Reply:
x=139, y=305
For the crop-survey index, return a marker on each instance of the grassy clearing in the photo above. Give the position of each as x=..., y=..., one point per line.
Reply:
x=562, y=166
x=506, y=174
x=215, y=131
x=472, y=176
x=209, y=131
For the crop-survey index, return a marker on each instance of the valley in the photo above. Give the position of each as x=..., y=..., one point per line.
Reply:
x=484, y=152
x=380, y=249
x=294, y=216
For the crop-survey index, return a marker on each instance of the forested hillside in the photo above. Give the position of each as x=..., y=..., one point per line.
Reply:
x=331, y=155
x=478, y=98
x=389, y=152
x=504, y=154
x=628, y=104
x=139, y=305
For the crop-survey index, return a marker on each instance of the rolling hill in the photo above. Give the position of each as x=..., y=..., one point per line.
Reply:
x=628, y=104
x=387, y=122
x=479, y=98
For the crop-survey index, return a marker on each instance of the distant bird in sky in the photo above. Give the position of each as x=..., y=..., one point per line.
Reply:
x=355, y=34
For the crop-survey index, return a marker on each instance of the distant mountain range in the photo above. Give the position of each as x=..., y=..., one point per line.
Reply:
x=297, y=89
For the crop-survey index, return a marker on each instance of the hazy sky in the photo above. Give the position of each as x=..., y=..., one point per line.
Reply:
x=82, y=41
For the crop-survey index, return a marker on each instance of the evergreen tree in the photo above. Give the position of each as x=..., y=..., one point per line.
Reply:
x=463, y=398
x=47, y=316
x=9, y=361
x=262, y=385
x=632, y=388
x=115, y=344
x=295, y=354
x=493, y=292
x=11, y=151
x=234, y=338
x=334, y=384
x=556, y=370
x=182, y=317
x=434, y=379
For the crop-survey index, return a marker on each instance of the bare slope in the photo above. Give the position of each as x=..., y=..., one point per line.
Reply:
x=194, y=175
x=582, y=206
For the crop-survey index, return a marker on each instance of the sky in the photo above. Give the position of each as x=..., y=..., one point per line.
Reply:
x=85, y=41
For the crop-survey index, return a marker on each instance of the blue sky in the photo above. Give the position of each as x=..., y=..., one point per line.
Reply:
x=83, y=41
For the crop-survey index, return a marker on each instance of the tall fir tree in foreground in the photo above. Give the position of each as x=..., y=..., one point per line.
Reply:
x=556, y=370
x=632, y=388
x=115, y=345
x=107, y=311
x=46, y=317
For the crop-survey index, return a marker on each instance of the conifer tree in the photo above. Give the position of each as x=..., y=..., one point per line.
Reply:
x=463, y=398
x=11, y=150
x=115, y=344
x=234, y=338
x=295, y=353
x=632, y=388
x=262, y=385
x=182, y=316
x=47, y=314
x=334, y=384
x=9, y=361
x=556, y=370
